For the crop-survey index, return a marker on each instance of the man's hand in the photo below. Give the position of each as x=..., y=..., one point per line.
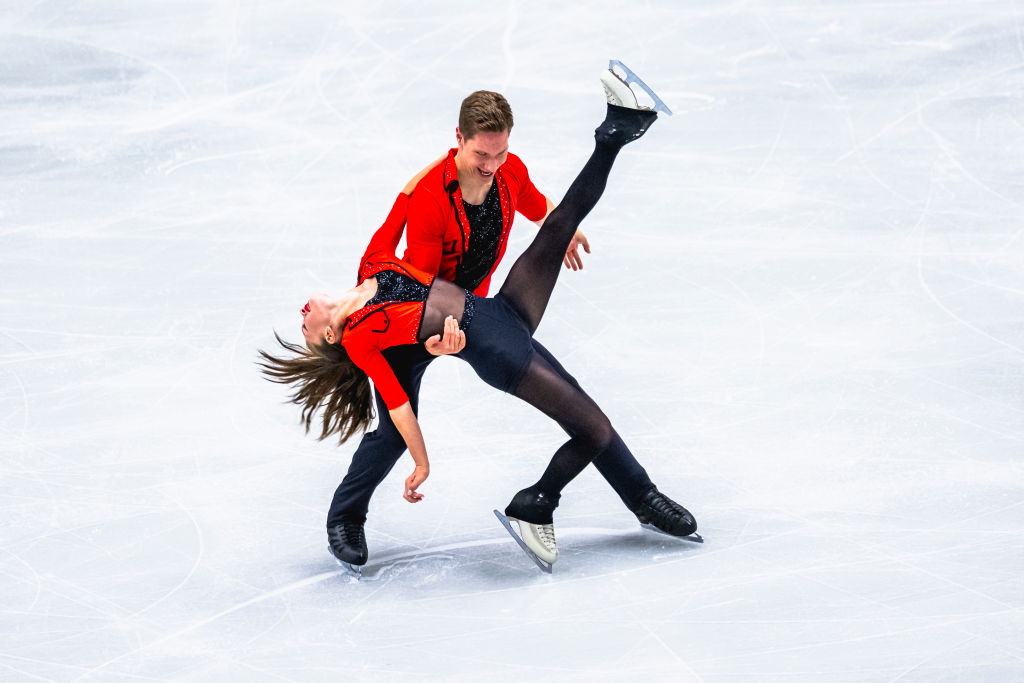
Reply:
x=412, y=482
x=454, y=339
x=572, y=255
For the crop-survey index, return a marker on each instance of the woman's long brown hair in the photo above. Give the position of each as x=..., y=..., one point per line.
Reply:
x=324, y=378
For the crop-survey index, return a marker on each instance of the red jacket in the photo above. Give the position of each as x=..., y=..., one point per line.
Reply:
x=438, y=232
x=371, y=329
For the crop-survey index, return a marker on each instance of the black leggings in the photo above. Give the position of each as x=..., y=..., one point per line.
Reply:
x=498, y=341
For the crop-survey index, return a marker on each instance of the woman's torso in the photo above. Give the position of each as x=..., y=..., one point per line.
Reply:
x=408, y=310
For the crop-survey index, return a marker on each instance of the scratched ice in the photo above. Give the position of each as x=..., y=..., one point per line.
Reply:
x=804, y=310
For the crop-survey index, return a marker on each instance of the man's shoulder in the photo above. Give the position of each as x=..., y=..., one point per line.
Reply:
x=514, y=163
x=514, y=169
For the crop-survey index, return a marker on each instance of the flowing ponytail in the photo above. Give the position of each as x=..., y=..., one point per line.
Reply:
x=324, y=378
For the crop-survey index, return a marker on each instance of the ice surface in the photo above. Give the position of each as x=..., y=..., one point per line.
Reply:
x=804, y=310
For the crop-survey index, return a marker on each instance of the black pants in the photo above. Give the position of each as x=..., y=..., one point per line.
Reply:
x=501, y=349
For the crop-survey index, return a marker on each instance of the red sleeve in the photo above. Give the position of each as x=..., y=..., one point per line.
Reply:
x=424, y=236
x=371, y=361
x=387, y=236
x=530, y=202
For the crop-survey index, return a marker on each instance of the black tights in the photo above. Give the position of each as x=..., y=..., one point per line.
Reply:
x=528, y=289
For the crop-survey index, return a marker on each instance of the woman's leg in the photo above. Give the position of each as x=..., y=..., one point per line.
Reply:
x=545, y=386
x=532, y=277
x=616, y=464
x=590, y=432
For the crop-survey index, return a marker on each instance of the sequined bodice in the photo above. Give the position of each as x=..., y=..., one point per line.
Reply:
x=394, y=286
x=439, y=301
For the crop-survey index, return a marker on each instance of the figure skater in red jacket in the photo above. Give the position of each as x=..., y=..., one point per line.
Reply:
x=397, y=304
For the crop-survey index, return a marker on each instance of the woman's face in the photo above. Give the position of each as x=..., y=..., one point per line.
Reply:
x=316, y=320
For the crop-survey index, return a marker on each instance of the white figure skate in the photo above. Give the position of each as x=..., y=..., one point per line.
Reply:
x=536, y=540
x=618, y=91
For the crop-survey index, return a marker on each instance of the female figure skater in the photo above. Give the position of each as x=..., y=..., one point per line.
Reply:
x=396, y=304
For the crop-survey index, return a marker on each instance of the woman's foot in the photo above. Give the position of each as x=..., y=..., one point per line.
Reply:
x=539, y=538
x=626, y=119
x=619, y=88
x=622, y=125
x=530, y=513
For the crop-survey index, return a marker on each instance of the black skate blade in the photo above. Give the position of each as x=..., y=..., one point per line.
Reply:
x=633, y=78
x=693, y=538
x=544, y=566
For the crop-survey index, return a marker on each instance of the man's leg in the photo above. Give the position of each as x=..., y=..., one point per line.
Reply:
x=376, y=455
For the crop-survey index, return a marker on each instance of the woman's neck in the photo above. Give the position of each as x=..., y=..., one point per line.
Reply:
x=354, y=299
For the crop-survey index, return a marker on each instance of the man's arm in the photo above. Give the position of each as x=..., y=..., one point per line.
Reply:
x=547, y=213
x=453, y=341
x=424, y=231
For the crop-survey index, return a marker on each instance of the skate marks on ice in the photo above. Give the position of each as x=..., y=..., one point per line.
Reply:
x=391, y=565
x=621, y=541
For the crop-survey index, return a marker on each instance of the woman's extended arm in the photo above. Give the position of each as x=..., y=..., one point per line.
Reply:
x=409, y=427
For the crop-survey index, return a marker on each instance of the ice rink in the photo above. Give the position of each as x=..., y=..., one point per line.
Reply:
x=804, y=311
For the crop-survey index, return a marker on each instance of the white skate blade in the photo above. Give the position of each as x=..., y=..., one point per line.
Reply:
x=694, y=537
x=633, y=78
x=544, y=566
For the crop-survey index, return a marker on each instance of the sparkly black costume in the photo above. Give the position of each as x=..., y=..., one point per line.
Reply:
x=485, y=220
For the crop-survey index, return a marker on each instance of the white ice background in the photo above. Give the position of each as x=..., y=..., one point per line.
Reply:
x=804, y=311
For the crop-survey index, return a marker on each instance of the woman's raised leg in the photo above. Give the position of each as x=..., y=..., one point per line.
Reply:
x=532, y=278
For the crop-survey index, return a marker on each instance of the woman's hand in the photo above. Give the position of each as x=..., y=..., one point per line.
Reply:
x=418, y=476
x=454, y=339
x=409, y=427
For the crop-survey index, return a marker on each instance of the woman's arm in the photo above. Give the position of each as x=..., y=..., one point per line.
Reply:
x=409, y=427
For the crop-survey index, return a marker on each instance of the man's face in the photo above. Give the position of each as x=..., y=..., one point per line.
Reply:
x=483, y=153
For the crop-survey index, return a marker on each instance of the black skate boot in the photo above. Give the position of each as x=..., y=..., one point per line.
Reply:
x=658, y=512
x=533, y=505
x=622, y=125
x=347, y=543
x=626, y=119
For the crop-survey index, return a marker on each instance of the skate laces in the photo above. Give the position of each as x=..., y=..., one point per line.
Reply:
x=354, y=533
x=661, y=509
x=546, y=532
x=665, y=505
x=350, y=533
